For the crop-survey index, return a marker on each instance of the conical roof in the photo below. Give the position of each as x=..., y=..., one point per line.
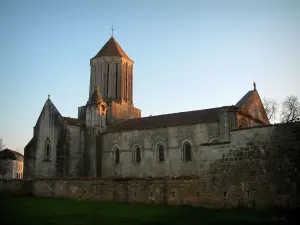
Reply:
x=96, y=97
x=111, y=48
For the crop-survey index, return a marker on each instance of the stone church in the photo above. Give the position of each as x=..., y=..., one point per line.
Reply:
x=109, y=138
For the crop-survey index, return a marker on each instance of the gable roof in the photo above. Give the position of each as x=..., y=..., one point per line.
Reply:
x=52, y=107
x=9, y=154
x=166, y=120
x=111, y=48
x=244, y=99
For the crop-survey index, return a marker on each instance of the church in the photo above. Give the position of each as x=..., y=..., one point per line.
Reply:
x=110, y=139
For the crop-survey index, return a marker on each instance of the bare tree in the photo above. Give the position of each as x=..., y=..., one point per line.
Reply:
x=4, y=167
x=1, y=144
x=290, y=109
x=271, y=107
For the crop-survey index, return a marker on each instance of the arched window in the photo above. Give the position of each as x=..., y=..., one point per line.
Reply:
x=117, y=156
x=187, y=151
x=47, y=148
x=161, y=153
x=137, y=154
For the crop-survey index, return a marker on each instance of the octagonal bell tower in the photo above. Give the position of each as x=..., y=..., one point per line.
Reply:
x=112, y=74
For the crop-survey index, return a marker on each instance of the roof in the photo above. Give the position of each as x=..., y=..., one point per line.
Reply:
x=174, y=119
x=111, y=48
x=244, y=99
x=95, y=97
x=74, y=121
x=9, y=154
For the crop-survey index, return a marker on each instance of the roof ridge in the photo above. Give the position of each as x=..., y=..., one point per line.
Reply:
x=167, y=114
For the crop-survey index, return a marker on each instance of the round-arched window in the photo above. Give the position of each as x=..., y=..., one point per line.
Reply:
x=137, y=154
x=117, y=156
x=187, y=151
x=161, y=153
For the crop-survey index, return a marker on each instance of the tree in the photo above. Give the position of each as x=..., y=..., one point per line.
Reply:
x=1, y=144
x=4, y=167
x=271, y=107
x=290, y=109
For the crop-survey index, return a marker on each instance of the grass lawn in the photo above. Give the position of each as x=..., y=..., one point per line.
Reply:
x=42, y=211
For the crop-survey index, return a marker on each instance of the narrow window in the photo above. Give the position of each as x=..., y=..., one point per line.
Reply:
x=187, y=151
x=107, y=79
x=117, y=157
x=116, y=80
x=138, y=155
x=161, y=154
x=48, y=150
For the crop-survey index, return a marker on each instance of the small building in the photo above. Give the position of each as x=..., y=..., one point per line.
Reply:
x=11, y=164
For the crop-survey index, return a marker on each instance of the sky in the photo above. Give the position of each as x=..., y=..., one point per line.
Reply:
x=188, y=55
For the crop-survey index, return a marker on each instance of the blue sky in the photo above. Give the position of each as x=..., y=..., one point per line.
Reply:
x=188, y=54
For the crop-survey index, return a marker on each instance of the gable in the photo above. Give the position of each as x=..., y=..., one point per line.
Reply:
x=49, y=108
x=250, y=105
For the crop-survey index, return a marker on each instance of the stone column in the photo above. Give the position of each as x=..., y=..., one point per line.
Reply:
x=131, y=84
x=92, y=83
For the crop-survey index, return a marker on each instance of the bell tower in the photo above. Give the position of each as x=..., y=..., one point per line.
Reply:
x=112, y=74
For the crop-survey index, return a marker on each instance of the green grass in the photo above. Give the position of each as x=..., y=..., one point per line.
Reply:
x=30, y=210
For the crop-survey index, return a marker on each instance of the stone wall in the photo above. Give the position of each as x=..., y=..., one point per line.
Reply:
x=172, y=138
x=120, y=111
x=75, y=155
x=16, y=187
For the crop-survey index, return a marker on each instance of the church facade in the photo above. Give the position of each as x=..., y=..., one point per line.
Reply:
x=109, y=138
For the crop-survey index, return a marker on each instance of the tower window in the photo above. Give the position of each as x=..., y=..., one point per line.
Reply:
x=187, y=151
x=107, y=80
x=117, y=80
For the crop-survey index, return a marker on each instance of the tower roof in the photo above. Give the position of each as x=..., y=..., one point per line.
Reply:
x=95, y=97
x=111, y=48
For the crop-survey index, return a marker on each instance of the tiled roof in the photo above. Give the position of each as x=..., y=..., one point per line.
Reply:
x=111, y=48
x=74, y=121
x=9, y=154
x=244, y=98
x=166, y=120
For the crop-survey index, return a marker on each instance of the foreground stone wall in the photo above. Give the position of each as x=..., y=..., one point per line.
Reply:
x=180, y=191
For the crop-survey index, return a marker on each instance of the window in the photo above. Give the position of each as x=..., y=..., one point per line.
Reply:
x=187, y=151
x=117, y=156
x=47, y=149
x=137, y=155
x=161, y=153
